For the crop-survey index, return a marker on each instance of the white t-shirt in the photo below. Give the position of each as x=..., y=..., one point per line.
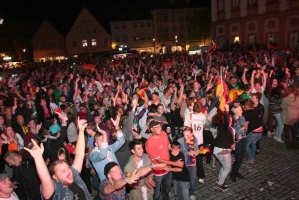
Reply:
x=13, y=196
x=196, y=122
x=263, y=96
x=143, y=188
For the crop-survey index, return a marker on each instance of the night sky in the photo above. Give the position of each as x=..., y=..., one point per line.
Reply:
x=68, y=10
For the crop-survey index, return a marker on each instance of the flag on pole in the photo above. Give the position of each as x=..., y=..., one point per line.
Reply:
x=89, y=66
x=213, y=47
x=221, y=84
x=272, y=45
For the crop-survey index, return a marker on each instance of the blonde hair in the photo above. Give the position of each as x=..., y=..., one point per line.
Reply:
x=14, y=138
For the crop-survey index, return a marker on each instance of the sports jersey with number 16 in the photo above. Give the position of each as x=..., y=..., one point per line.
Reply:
x=196, y=121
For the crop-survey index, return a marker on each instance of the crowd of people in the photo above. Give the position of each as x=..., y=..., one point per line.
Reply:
x=136, y=127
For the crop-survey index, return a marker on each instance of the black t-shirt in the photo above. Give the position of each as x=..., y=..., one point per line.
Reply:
x=184, y=174
x=254, y=118
x=78, y=193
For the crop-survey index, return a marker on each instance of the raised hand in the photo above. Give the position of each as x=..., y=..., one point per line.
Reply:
x=82, y=123
x=36, y=151
x=133, y=177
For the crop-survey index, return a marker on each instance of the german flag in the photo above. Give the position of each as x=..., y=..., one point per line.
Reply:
x=89, y=66
x=272, y=45
x=213, y=47
x=167, y=63
x=221, y=84
x=233, y=94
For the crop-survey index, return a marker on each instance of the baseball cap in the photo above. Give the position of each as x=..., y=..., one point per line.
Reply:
x=55, y=128
x=76, y=100
x=153, y=123
x=3, y=176
x=108, y=167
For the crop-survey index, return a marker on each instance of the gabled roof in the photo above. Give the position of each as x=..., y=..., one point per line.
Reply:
x=45, y=23
x=165, y=4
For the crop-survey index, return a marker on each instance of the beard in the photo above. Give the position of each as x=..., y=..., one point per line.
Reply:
x=68, y=183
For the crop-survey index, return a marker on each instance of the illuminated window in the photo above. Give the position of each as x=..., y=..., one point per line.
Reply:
x=272, y=38
x=252, y=39
x=74, y=43
x=84, y=43
x=105, y=41
x=94, y=42
x=295, y=40
x=237, y=39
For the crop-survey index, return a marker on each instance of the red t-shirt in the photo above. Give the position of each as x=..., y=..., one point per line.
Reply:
x=158, y=148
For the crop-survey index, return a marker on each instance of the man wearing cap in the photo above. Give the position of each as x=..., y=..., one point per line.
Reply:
x=62, y=181
x=157, y=146
x=6, y=188
x=75, y=108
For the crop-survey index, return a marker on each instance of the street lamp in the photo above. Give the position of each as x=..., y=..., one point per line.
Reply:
x=154, y=45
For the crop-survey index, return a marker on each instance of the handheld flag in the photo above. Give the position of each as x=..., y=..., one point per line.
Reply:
x=89, y=66
x=221, y=85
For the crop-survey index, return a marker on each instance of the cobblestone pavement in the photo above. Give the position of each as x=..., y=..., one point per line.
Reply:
x=273, y=176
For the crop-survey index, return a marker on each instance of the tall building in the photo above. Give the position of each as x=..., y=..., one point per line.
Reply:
x=256, y=22
x=87, y=35
x=172, y=29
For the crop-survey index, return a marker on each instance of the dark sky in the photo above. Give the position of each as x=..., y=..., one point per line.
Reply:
x=68, y=10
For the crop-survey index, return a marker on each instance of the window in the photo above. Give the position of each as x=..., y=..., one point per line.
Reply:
x=159, y=16
x=50, y=32
x=87, y=30
x=173, y=16
x=49, y=45
x=117, y=38
x=143, y=36
x=252, y=2
x=236, y=4
x=295, y=40
x=166, y=31
x=93, y=42
x=161, y=33
x=148, y=23
x=149, y=36
x=272, y=38
x=41, y=45
x=105, y=41
x=125, y=38
x=166, y=16
x=136, y=38
x=252, y=39
x=181, y=15
x=221, y=42
x=220, y=5
x=141, y=24
x=74, y=43
x=84, y=43
x=123, y=25
x=58, y=45
x=94, y=30
x=134, y=24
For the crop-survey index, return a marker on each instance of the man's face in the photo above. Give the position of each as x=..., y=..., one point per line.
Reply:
x=274, y=82
x=196, y=85
x=233, y=81
x=6, y=186
x=257, y=86
x=99, y=141
x=115, y=173
x=20, y=119
x=108, y=124
x=32, y=124
x=156, y=129
x=187, y=134
x=97, y=119
x=138, y=150
x=64, y=173
x=43, y=102
x=175, y=150
x=14, y=161
x=62, y=99
x=28, y=97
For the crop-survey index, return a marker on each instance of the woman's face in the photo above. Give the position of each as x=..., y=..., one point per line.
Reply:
x=239, y=111
x=160, y=109
x=9, y=132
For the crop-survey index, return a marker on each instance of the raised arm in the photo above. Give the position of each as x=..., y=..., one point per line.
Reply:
x=80, y=146
x=47, y=186
x=244, y=79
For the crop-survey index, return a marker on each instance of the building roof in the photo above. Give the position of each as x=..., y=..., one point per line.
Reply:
x=165, y=4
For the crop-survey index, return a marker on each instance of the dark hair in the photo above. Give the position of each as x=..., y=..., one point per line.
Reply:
x=175, y=144
x=249, y=103
x=63, y=106
x=92, y=126
x=95, y=137
x=258, y=95
x=52, y=169
x=133, y=143
x=70, y=118
x=218, y=119
x=197, y=107
x=188, y=129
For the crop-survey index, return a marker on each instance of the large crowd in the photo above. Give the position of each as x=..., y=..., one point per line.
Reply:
x=135, y=127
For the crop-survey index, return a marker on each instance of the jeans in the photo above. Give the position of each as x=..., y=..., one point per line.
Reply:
x=239, y=153
x=192, y=175
x=280, y=125
x=165, y=180
x=226, y=165
x=182, y=189
x=252, y=138
x=200, y=170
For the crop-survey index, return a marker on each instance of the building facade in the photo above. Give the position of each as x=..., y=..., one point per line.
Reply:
x=171, y=29
x=256, y=22
x=133, y=34
x=48, y=44
x=87, y=35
